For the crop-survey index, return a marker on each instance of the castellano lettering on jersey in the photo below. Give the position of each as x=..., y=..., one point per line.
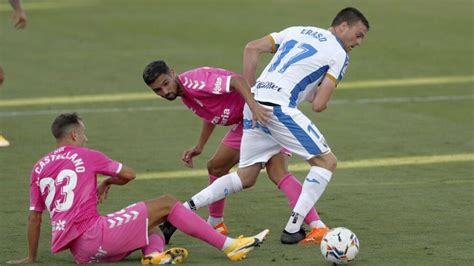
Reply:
x=304, y=56
x=65, y=183
x=208, y=94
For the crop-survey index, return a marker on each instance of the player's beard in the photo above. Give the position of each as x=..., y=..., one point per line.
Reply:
x=171, y=96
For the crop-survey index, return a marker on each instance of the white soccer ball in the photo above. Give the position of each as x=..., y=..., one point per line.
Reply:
x=340, y=245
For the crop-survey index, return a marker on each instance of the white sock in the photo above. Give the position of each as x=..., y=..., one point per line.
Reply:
x=317, y=224
x=313, y=187
x=227, y=243
x=213, y=221
x=186, y=205
x=219, y=189
x=295, y=222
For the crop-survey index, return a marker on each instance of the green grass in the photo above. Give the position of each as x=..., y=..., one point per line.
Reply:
x=403, y=215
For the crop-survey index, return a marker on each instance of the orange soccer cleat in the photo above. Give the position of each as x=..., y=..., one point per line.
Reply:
x=315, y=236
x=221, y=228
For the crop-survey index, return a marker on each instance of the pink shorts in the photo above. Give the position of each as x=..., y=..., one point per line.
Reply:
x=114, y=236
x=234, y=136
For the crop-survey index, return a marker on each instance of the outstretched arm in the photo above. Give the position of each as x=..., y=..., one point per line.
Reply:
x=34, y=229
x=19, y=15
x=206, y=132
x=252, y=52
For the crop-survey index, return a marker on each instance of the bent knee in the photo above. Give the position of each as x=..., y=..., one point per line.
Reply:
x=215, y=170
x=168, y=200
x=248, y=182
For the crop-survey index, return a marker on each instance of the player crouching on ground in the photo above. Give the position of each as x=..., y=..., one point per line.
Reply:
x=65, y=183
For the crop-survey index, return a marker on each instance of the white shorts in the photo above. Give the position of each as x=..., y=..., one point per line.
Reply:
x=288, y=128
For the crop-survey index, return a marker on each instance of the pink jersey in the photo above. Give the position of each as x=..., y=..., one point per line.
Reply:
x=208, y=94
x=65, y=183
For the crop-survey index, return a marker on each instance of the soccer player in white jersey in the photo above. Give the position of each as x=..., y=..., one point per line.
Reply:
x=307, y=66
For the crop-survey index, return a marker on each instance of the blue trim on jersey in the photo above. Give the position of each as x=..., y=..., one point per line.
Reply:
x=339, y=41
x=248, y=125
x=343, y=69
x=301, y=86
x=305, y=140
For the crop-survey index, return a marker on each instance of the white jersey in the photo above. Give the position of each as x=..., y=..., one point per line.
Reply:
x=304, y=55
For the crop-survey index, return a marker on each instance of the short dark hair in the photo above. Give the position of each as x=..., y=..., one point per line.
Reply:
x=350, y=15
x=63, y=123
x=153, y=70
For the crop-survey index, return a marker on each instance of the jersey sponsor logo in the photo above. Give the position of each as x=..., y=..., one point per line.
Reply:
x=217, y=86
x=267, y=85
x=221, y=119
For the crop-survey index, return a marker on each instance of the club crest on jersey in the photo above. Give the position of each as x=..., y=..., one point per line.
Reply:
x=58, y=225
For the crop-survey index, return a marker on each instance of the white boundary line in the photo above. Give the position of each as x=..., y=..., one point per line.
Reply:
x=181, y=107
x=357, y=164
x=368, y=84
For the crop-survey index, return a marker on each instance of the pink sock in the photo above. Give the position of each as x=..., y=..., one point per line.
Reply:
x=156, y=243
x=216, y=209
x=292, y=189
x=192, y=224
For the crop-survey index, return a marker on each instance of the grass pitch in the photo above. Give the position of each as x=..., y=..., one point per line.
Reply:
x=413, y=213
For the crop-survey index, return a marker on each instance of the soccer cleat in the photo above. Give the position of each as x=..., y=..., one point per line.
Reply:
x=170, y=256
x=221, y=228
x=314, y=237
x=3, y=141
x=292, y=238
x=241, y=246
x=168, y=230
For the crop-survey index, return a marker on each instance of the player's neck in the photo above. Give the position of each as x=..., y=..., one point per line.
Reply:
x=65, y=142
x=180, y=87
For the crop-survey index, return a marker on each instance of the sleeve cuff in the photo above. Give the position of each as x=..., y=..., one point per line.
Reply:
x=273, y=43
x=227, y=84
x=331, y=77
x=119, y=168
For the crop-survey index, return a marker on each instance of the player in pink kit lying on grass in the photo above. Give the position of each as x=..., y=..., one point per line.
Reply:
x=65, y=183
x=218, y=96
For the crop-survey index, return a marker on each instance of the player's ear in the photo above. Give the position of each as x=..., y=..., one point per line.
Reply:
x=73, y=134
x=172, y=73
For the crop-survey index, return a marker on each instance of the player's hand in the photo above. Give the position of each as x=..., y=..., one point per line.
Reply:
x=21, y=261
x=188, y=155
x=260, y=115
x=19, y=18
x=102, y=191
